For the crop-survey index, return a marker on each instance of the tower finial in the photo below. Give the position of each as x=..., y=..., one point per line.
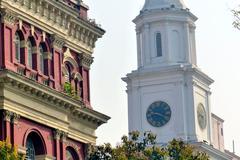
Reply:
x=159, y=4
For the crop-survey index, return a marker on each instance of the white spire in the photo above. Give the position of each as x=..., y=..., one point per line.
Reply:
x=158, y=4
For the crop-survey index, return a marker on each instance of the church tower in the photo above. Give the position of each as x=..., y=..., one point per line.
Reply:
x=168, y=94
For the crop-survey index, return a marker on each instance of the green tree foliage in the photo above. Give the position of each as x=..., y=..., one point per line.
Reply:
x=9, y=152
x=136, y=148
x=236, y=22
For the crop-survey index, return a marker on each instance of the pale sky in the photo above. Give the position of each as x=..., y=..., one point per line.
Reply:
x=218, y=52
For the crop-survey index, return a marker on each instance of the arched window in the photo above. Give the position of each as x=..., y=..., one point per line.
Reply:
x=35, y=146
x=41, y=57
x=71, y=154
x=159, y=44
x=30, y=53
x=68, y=74
x=30, y=149
x=17, y=47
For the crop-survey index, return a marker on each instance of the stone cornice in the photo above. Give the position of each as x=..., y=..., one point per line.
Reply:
x=75, y=108
x=54, y=17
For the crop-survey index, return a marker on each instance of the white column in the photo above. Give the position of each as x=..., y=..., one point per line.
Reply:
x=210, y=133
x=187, y=42
x=193, y=45
x=166, y=43
x=146, y=44
x=139, y=48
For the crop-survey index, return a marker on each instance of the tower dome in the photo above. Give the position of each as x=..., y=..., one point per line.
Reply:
x=159, y=4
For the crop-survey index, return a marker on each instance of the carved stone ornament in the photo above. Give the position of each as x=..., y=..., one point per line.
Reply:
x=23, y=44
x=47, y=55
x=57, y=134
x=86, y=60
x=8, y=17
x=15, y=118
x=64, y=137
x=60, y=135
x=11, y=116
x=7, y=115
x=57, y=42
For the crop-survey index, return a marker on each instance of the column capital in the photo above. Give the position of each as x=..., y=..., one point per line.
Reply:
x=47, y=55
x=57, y=42
x=23, y=44
x=85, y=60
x=57, y=134
x=64, y=137
x=11, y=116
x=8, y=17
x=60, y=135
x=15, y=118
x=7, y=115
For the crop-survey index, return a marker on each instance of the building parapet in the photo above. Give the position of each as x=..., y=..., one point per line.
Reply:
x=54, y=17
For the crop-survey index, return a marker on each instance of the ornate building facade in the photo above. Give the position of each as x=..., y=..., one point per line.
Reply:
x=46, y=51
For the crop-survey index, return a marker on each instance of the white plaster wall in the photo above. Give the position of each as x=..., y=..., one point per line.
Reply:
x=218, y=139
x=200, y=96
x=175, y=89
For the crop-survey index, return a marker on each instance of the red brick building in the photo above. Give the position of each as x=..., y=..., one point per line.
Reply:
x=46, y=51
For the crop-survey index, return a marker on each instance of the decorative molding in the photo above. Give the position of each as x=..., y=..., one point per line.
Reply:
x=45, y=157
x=57, y=42
x=7, y=16
x=15, y=118
x=85, y=60
x=68, y=57
x=64, y=70
x=60, y=135
x=7, y=115
x=69, y=143
x=77, y=76
x=57, y=134
x=76, y=108
x=47, y=55
x=64, y=137
x=23, y=44
x=34, y=50
x=11, y=116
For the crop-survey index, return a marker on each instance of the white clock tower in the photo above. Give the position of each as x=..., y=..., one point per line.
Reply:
x=168, y=94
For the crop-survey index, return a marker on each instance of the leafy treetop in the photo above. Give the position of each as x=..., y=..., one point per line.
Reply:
x=136, y=148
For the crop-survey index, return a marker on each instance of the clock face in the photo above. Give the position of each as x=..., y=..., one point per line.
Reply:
x=158, y=114
x=202, y=116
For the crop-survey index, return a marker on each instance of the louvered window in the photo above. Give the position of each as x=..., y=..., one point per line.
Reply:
x=159, y=44
x=30, y=150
